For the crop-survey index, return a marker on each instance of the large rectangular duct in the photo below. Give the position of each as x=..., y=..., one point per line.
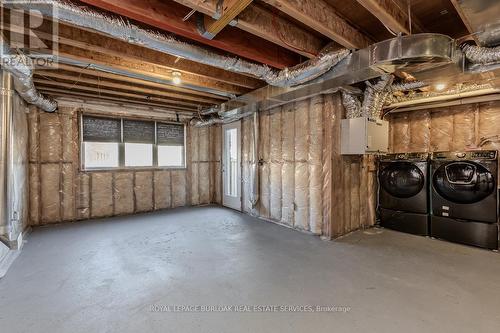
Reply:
x=483, y=18
x=413, y=54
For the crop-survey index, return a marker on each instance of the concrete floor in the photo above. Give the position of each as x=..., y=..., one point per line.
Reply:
x=103, y=276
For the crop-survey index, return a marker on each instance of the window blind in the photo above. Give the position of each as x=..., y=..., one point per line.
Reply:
x=136, y=131
x=170, y=134
x=96, y=129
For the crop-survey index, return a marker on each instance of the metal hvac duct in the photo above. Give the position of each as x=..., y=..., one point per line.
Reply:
x=483, y=17
x=413, y=54
x=21, y=69
x=124, y=30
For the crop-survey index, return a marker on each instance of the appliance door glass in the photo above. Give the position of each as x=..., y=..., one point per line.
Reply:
x=402, y=179
x=463, y=182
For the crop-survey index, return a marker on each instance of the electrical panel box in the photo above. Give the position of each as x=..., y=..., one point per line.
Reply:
x=364, y=136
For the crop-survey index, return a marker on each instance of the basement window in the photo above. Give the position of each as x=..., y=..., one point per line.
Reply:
x=118, y=143
x=170, y=140
x=139, y=139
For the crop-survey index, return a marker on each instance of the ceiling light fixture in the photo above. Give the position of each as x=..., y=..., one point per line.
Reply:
x=176, y=78
x=440, y=86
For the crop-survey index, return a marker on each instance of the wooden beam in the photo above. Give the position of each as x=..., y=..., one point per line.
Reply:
x=262, y=22
x=322, y=17
x=387, y=13
x=99, y=43
x=393, y=14
x=77, y=94
x=168, y=16
x=147, y=69
x=92, y=72
x=465, y=20
x=228, y=10
x=85, y=55
x=96, y=42
x=97, y=91
x=178, y=99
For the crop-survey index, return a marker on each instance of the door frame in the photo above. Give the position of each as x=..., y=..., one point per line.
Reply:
x=231, y=202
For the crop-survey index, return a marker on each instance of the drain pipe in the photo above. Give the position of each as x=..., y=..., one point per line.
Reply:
x=6, y=109
x=21, y=68
x=254, y=163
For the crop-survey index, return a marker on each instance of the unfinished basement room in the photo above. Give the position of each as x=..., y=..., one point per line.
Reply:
x=249, y=166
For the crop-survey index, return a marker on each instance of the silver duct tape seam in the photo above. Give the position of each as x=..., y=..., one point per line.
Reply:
x=119, y=28
x=482, y=55
x=21, y=69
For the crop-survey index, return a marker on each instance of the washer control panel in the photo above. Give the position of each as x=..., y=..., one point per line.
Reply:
x=405, y=157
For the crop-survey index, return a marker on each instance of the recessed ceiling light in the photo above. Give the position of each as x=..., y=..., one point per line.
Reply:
x=176, y=78
x=440, y=86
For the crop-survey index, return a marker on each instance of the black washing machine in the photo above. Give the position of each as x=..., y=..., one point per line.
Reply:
x=403, y=192
x=464, y=197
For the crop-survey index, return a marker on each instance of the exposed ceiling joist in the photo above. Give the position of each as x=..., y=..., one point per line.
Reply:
x=178, y=99
x=465, y=20
x=169, y=17
x=322, y=17
x=268, y=25
x=393, y=14
x=146, y=68
x=93, y=72
x=56, y=92
x=101, y=43
x=228, y=11
x=98, y=90
x=85, y=53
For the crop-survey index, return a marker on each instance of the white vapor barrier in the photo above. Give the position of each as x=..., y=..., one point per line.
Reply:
x=470, y=126
x=60, y=191
x=299, y=152
x=315, y=164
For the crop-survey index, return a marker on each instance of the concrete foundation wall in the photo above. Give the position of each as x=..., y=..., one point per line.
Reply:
x=60, y=191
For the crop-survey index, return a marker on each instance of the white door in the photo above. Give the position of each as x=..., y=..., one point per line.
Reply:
x=231, y=165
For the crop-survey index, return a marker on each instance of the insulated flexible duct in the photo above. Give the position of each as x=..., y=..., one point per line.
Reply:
x=21, y=68
x=352, y=105
x=481, y=55
x=207, y=122
x=124, y=30
x=375, y=96
x=405, y=86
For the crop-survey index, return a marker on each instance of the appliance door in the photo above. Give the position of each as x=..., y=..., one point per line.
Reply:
x=403, y=186
x=464, y=190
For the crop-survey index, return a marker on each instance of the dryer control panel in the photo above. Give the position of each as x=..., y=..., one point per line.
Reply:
x=469, y=155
